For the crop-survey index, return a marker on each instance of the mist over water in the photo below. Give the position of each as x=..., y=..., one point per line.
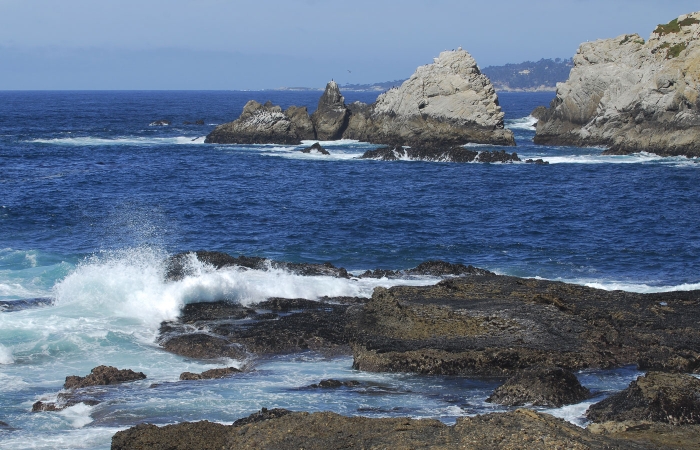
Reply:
x=93, y=201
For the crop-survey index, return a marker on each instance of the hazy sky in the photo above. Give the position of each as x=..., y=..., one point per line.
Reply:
x=256, y=44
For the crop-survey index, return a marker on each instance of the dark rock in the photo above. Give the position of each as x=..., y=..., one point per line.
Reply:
x=221, y=310
x=159, y=123
x=439, y=154
x=209, y=374
x=301, y=122
x=19, y=305
x=539, y=112
x=498, y=325
x=333, y=384
x=316, y=148
x=539, y=386
x=196, y=122
x=536, y=161
x=655, y=397
x=177, y=266
x=285, y=430
x=331, y=117
x=203, y=346
x=262, y=415
x=430, y=268
x=103, y=376
x=65, y=400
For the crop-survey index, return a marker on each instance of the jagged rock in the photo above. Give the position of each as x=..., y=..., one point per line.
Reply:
x=537, y=161
x=333, y=384
x=540, y=386
x=264, y=124
x=209, y=374
x=444, y=104
x=203, y=346
x=103, y=376
x=454, y=154
x=286, y=430
x=316, y=148
x=65, y=400
x=631, y=95
x=539, y=112
x=655, y=397
x=262, y=415
x=331, y=117
x=431, y=268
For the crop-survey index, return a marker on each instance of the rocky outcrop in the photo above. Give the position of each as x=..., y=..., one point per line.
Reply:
x=541, y=386
x=445, y=104
x=103, y=376
x=265, y=124
x=209, y=374
x=631, y=95
x=316, y=148
x=331, y=117
x=334, y=384
x=454, y=154
x=499, y=325
x=655, y=397
x=329, y=431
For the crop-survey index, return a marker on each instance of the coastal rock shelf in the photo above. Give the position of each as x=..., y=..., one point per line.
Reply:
x=444, y=104
x=631, y=95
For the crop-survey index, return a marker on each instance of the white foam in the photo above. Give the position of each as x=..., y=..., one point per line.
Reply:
x=78, y=415
x=525, y=123
x=613, y=285
x=6, y=355
x=635, y=158
x=338, y=143
x=127, y=140
x=574, y=414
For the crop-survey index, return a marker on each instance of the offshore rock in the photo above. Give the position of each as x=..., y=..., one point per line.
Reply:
x=209, y=374
x=498, y=325
x=444, y=104
x=631, y=95
x=330, y=431
x=103, y=376
x=331, y=117
x=265, y=124
x=454, y=154
x=539, y=386
x=316, y=148
x=430, y=268
x=655, y=397
x=334, y=384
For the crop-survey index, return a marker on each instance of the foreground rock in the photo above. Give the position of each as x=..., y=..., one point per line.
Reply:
x=445, y=104
x=265, y=124
x=99, y=376
x=553, y=387
x=655, y=397
x=328, y=431
x=455, y=154
x=631, y=95
x=316, y=148
x=499, y=325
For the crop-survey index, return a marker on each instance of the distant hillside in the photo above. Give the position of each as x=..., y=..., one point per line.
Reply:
x=542, y=75
x=379, y=87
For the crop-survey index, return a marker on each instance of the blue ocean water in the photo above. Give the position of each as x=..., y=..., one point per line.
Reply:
x=93, y=198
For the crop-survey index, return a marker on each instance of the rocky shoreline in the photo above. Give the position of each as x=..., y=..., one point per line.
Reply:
x=443, y=105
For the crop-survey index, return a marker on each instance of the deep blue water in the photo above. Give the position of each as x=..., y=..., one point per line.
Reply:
x=92, y=199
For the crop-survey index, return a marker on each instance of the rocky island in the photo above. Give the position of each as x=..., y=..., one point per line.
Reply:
x=444, y=105
x=630, y=95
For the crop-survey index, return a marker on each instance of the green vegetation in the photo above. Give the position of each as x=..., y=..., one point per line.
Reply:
x=631, y=37
x=676, y=50
x=674, y=26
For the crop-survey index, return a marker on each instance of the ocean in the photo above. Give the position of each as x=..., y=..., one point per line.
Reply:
x=93, y=199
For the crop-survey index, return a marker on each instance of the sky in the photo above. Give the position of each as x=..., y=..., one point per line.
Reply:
x=266, y=44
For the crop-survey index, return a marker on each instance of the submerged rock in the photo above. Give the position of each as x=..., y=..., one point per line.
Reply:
x=631, y=95
x=265, y=124
x=209, y=374
x=430, y=268
x=443, y=105
x=327, y=431
x=103, y=376
x=539, y=386
x=455, y=154
x=655, y=397
x=159, y=123
x=333, y=384
x=316, y=148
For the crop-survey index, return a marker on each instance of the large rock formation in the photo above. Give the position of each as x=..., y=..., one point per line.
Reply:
x=265, y=124
x=541, y=386
x=444, y=104
x=631, y=95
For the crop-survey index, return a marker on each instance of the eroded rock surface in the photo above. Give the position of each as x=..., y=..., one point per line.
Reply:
x=103, y=376
x=541, y=386
x=209, y=374
x=331, y=117
x=328, y=431
x=655, y=397
x=631, y=95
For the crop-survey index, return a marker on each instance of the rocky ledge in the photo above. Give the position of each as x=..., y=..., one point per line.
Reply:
x=444, y=104
x=455, y=154
x=630, y=95
x=541, y=386
x=285, y=430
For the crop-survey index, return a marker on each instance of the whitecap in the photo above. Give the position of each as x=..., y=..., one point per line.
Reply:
x=78, y=415
x=524, y=123
x=6, y=355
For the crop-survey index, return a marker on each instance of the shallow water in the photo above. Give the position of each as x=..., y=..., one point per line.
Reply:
x=93, y=199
